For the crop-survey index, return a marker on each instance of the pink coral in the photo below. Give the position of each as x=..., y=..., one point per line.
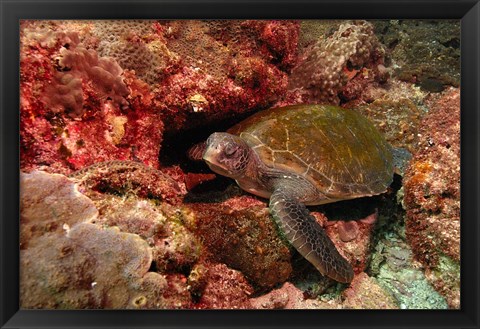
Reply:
x=225, y=288
x=62, y=78
x=100, y=75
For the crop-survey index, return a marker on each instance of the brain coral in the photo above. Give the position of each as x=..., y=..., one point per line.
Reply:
x=135, y=46
x=321, y=73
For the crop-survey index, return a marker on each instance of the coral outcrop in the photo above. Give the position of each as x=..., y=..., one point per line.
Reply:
x=50, y=203
x=245, y=239
x=78, y=253
x=327, y=66
x=425, y=52
x=132, y=177
x=432, y=196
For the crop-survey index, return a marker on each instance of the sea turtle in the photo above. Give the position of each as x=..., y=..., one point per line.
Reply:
x=304, y=155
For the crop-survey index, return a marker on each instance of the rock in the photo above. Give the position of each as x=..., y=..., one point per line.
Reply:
x=432, y=196
x=50, y=203
x=426, y=52
x=365, y=293
x=225, y=288
x=244, y=238
x=290, y=297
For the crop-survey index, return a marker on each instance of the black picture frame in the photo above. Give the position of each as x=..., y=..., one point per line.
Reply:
x=12, y=11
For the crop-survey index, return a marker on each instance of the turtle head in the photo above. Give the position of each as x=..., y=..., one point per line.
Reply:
x=227, y=154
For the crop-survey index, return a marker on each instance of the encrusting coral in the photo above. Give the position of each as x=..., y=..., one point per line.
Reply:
x=327, y=66
x=129, y=176
x=432, y=196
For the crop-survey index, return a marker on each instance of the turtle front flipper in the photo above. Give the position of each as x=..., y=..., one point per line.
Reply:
x=308, y=237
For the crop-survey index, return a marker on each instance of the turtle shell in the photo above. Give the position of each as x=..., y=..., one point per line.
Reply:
x=338, y=150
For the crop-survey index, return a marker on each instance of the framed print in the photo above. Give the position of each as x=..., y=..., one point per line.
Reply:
x=239, y=164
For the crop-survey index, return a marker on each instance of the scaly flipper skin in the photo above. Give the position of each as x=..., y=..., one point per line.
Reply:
x=307, y=236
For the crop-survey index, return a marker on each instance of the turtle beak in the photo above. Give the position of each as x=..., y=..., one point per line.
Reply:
x=211, y=156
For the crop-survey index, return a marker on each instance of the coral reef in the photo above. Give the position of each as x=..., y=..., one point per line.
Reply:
x=224, y=288
x=200, y=71
x=49, y=203
x=99, y=91
x=327, y=66
x=78, y=108
x=114, y=216
x=132, y=177
x=243, y=236
x=432, y=196
x=365, y=293
x=424, y=52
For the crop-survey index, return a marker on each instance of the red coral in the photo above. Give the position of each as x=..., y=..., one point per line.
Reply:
x=225, y=289
x=130, y=176
x=432, y=194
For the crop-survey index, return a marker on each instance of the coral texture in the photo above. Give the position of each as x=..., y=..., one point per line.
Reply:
x=423, y=51
x=129, y=176
x=245, y=239
x=327, y=66
x=78, y=66
x=49, y=203
x=432, y=195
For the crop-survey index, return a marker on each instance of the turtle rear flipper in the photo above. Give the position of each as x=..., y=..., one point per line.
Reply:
x=308, y=237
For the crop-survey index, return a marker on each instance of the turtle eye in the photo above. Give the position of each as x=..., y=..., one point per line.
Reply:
x=230, y=149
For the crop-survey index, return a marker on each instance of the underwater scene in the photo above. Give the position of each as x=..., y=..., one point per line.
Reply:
x=240, y=164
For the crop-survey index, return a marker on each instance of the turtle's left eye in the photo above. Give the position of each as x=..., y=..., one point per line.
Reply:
x=230, y=149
